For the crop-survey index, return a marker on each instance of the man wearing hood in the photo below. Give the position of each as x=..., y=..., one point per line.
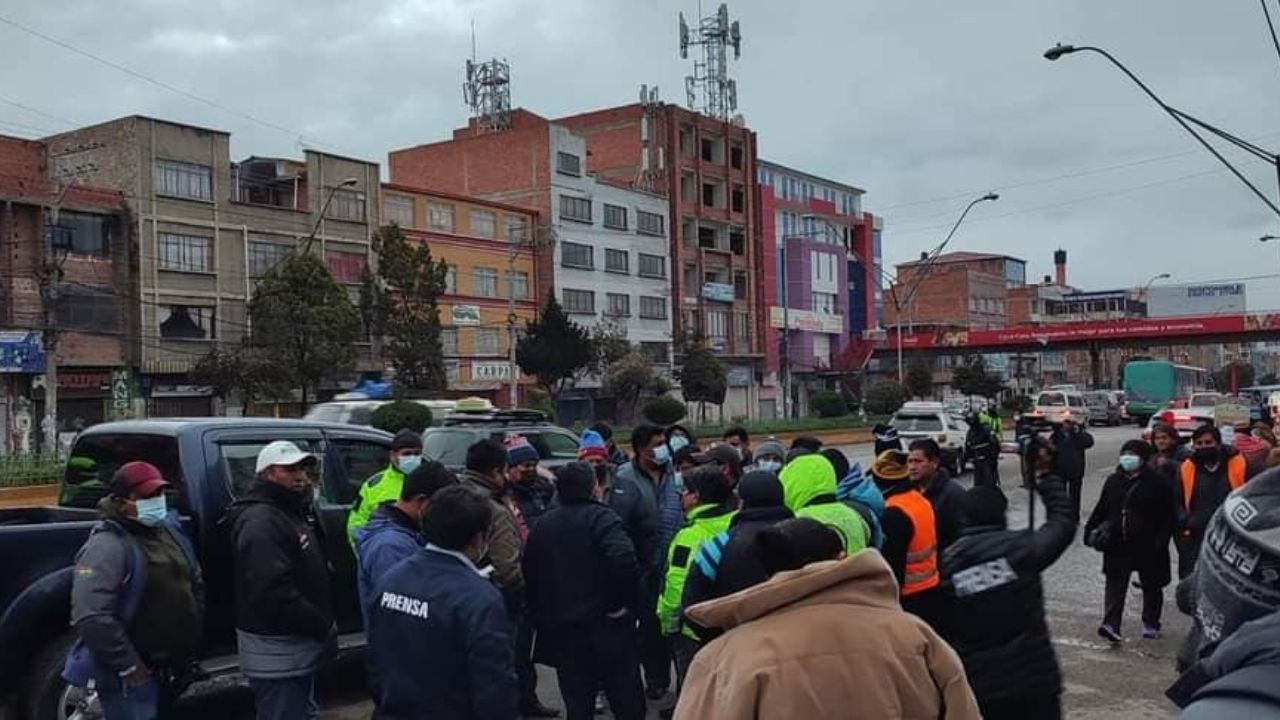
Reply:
x=924, y=464
x=992, y=574
x=809, y=490
x=1204, y=481
x=384, y=487
x=858, y=490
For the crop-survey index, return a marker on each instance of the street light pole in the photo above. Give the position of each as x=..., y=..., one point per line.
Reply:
x=1184, y=120
x=315, y=228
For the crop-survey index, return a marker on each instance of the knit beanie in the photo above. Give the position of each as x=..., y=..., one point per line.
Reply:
x=592, y=446
x=760, y=488
x=520, y=451
x=1238, y=571
x=770, y=446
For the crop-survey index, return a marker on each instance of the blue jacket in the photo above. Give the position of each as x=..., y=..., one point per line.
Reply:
x=440, y=643
x=650, y=512
x=857, y=490
x=389, y=537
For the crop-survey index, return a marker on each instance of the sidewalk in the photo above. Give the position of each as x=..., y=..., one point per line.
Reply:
x=30, y=496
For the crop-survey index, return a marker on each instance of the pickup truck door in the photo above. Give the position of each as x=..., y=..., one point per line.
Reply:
x=351, y=458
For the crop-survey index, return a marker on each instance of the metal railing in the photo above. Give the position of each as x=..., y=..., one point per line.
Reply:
x=25, y=470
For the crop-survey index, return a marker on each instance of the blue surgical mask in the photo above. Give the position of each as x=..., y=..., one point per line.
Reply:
x=769, y=465
x=1129, y=463
x=661, y=455
x=408, y=463
x=678, y=479
x=677, y=442
x=152, y=511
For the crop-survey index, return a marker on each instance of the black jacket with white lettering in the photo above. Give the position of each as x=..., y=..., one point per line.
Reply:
x=994, y=575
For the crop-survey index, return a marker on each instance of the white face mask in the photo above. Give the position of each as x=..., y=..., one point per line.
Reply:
x=152, y=511
x=769, y=465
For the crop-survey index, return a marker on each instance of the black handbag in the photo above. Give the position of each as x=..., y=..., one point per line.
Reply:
x=1100, y=537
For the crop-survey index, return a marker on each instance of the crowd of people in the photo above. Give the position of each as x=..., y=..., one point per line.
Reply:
x=710, y=580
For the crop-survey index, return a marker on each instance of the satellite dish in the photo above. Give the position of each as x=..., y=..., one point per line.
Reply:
x=684, y=37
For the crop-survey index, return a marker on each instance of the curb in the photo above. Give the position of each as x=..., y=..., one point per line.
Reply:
x=29, y=496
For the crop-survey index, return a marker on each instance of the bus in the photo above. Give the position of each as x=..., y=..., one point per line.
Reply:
x=1149, y=385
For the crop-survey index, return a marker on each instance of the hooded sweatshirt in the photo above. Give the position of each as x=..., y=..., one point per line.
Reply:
x=827, y=640
x=809, y=490
x=858, y=490
x=389, y=537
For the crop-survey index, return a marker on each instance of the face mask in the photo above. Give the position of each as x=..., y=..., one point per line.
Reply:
x=152, y=511
x=661, y=455
x=1208, y=454
x=408, y=463
x=678, y=479
x=677, y=443
x=1129, y=463
x=769, y=465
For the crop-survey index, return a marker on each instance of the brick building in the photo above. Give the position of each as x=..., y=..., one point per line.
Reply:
x=957, y=289
x=489, y=252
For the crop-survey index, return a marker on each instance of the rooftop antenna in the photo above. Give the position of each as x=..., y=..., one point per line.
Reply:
x=709, y=89
x=487, y=91
x=652, y=167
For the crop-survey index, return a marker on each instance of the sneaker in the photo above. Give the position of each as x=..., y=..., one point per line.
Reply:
x=1109, y=633
x=1150, y=632
x=601, y=704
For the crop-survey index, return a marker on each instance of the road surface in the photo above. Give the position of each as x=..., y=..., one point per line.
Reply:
x=1101, y=682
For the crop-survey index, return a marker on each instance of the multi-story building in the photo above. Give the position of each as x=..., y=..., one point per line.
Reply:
x=957, y=289
x=602, y=245
x=821, y=265
x=489, y=293
x=205, y=230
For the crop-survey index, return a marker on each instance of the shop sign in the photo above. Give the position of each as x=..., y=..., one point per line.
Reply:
x=466, y=314
x=719, y=292
x=499, y=371
x=21, y=352
x=121, y=392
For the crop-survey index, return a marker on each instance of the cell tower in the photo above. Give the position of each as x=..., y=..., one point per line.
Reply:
x=652, y=162
x=711, y=74
x=488, y=92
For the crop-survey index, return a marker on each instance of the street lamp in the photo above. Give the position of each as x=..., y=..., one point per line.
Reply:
x=924, y=272
x=311, y=237
x=1154, y=278
x=1185, y=121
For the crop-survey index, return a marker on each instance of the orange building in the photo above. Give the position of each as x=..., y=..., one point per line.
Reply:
x=491, y=286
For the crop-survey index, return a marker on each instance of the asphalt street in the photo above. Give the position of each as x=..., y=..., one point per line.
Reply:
x=1101, y=681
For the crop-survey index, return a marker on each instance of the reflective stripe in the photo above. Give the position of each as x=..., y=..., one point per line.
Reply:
x=921, y=555
x=921, y=572
x=911, y=578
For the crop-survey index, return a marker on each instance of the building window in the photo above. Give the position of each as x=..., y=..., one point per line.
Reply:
x=517, y=284
x=186, y=322
x=692, y=287
x=88, y=308
x=347, y=205
x=718, y=327
x=451, y=279
x=740, y=285
x=484, y=282
x=658, y=352
x=648, y=223
x=580, y=302
x=577, y=256
x=183, y=180
x=653, y=266
x=690, y=327
x=185, y=253
x=575, y=208
x=440, y=217
x=517, y=229
x=737, y=242
x=711, y=194
x=488, y=341
x=449, y=341
x=346, y=267
x=568, y=164
x=688, y=186
x=615, y=217
x=617, y=261
x=82, y=233
x=265, y=255
x=738, y=199
x=713, y=150
x=686, y=140
x=653, y=308
x=398, y=209
x=742, y=329
x=617, y=305
x=736, y=155
x=823, y=303
x=484, y=224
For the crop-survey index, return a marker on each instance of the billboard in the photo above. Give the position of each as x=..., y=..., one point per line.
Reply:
x=1184, y=300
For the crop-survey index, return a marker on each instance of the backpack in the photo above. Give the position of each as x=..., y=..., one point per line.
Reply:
x=81, y=669
x=860, y=493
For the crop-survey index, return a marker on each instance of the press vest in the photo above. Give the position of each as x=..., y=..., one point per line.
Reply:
x=922, y=552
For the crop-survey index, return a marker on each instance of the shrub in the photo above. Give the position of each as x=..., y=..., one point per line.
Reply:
x=884, y=397
x=1017, y=403
x=663, y=410
x=400, y=415
x=828, y=404
x=539, y=399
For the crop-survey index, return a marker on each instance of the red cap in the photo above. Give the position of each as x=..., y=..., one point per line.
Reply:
x=138, y=478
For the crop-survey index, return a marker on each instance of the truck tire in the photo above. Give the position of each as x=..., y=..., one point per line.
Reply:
x=44, y=692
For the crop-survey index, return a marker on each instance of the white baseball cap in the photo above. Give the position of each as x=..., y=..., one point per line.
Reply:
x=282, y=452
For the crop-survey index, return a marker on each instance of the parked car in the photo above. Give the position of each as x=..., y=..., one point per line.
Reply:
x=360, y=411
x=448, y=444
x=916, y=420
x=1053, y=406
x=1102, y=408
x=210, y=462
x=1187, y=414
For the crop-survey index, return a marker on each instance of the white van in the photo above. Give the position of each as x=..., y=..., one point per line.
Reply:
x=1052, y=407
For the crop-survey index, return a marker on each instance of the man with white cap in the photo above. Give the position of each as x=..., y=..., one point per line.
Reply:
x=284, y=614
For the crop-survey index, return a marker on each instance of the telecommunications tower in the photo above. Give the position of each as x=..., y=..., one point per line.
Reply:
x=709, y=88
x=487, y=92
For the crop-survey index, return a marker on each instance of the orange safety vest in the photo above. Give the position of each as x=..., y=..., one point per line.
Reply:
x=1236, y=468
x=922, y=552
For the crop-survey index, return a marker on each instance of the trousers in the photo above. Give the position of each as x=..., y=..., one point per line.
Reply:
x=135, y=703
x=285, y=698
x=655, y=655
x=1117, y=589
x=601, y=654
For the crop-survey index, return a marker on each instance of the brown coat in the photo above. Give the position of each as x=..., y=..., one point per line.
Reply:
x=826, y=641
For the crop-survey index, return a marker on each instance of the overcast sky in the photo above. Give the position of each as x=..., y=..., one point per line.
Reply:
x=924, y=104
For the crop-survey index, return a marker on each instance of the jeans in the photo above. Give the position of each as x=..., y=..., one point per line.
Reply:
x=135, y=703
x=285, y=698
x=655, y=656
x=1117, y=588
x=600, y=655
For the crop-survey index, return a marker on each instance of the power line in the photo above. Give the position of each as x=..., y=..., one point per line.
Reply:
x=36, y=111
x=1271, y=26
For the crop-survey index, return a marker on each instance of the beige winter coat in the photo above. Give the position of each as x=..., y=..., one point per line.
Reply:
x=826, y=641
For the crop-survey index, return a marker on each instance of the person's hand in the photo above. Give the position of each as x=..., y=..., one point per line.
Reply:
x=139, y=675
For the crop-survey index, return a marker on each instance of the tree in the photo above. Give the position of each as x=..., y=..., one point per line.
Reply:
x=973, y=378
x=247, y=371
x=630, y=377
x=663, y=410
x=554, y=348
x=305, y=320
x=884, y=398
x=400, y=302
x=401, y=415
x=828, y=404
x=609, y=344
x=919, y=380
x=1241, y=372
x=703, y=377
x=1268, y=379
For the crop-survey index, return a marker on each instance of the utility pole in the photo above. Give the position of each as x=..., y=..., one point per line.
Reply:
x=50, y=276
x=513, y=243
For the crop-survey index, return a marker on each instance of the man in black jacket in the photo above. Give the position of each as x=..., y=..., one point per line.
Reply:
x=583, y=584
x=924, y=464
x=994, y=575
x=284, y=613
x=1070, y=441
